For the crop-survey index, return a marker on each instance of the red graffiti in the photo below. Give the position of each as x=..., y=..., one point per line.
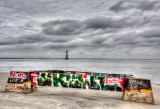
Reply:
x=33, y=78
x=113, y=80
x=34, y=75
x=20, y=87
x=15, y=87
x=84, y=76
x=18, y=75
x=12, y=86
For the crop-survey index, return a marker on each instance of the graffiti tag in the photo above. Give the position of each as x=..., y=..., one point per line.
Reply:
x=18, y=75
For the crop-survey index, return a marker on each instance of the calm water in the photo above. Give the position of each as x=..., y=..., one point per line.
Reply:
x=140, y=68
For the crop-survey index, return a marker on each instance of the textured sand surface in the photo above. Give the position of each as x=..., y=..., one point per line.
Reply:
x=67, y=98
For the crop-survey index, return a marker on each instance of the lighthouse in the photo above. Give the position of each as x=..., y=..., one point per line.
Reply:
x=66, y=54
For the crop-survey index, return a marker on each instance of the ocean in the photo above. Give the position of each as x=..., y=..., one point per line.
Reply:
x=142, y=68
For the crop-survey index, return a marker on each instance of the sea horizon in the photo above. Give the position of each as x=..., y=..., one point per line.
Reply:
x=93, y=58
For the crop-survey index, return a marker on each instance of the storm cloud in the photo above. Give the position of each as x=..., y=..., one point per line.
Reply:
x=141, y=5
x=97, y=29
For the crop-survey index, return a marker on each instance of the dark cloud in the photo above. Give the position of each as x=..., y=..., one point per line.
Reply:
x=148, y=5
x=62, y=27
x=22, y=39
x=144, y=5
x=103, y=22
x=75, y=27
x=98, y=29
x=72, y=34
x=151, y=33
x=30, y=39
x=117, y=7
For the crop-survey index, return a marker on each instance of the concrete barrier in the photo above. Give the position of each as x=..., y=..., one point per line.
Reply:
x=20, y=81
x=134, y=89
x=85, y=80
x=138, y=90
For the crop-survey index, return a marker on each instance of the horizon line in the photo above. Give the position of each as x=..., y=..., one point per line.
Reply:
x=81, y=58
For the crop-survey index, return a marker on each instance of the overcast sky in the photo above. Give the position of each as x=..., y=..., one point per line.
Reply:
x=87, y=28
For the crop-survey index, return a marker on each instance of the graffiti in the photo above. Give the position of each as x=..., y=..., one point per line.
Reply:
x=16, y=87
x=71, y=79
x=45, y=79
x=15, y=80
x=19, y=82
x=34, y=77
x=83, y=80
x=18, y=75
x=138, y=90
x=139, y=84
x=135, y=84
x=134, y=89
x=116, y=82
x=113, y=80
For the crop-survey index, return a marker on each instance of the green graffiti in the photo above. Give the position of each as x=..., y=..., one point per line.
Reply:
x=46, y=79
x=77, y=80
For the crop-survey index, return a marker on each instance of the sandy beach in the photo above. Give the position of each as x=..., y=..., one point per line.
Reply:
x=66, y=98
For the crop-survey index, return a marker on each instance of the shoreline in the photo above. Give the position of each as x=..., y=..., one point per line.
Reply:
x=65, y=98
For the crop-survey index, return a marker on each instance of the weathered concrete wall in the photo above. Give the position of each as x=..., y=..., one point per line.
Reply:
x=85, y=80
x=134, y=89
x=19, y=82
x=138, y=90
x=18, y=87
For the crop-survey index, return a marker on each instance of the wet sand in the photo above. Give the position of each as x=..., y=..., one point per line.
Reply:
x=69, y=98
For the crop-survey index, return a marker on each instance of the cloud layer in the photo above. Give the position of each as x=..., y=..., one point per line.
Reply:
x=97, y=29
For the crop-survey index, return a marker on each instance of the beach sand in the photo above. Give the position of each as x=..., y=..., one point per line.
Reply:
x=69, y=98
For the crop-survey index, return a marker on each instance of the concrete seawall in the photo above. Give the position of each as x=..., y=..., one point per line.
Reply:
x=133, y=88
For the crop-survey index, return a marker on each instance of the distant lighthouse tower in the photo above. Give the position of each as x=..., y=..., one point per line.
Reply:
x=66, y=54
